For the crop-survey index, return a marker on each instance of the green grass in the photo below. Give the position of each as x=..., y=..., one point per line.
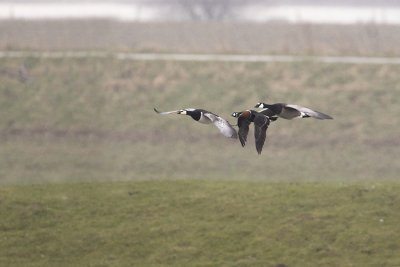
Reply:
x=200, y=223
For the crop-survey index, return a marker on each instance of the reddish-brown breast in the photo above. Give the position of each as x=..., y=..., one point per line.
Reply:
x=246, y=114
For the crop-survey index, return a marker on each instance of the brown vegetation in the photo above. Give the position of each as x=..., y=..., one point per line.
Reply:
x=202, y=37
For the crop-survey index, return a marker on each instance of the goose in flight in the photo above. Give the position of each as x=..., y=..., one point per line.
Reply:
x=290, y=111
x=261, y=122
x=206, y=117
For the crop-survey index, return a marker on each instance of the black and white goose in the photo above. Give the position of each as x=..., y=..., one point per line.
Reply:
x=290, y=111
x=261, y=122
x=206, y=117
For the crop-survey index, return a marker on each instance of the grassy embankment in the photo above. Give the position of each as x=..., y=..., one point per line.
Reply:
x=93, y=119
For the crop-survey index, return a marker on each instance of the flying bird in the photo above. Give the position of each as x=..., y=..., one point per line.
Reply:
x=261, y=122
x=206, y=117
x=290, y=111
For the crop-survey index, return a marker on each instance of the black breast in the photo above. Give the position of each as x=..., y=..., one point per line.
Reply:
x=196, y=114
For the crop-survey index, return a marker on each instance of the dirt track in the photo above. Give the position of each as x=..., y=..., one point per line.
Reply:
x=203, y=57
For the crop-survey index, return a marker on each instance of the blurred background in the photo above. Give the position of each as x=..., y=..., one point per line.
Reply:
x=318, y=11
x=75, y=105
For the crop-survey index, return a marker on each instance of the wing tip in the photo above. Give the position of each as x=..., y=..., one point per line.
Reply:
x=242, y=142
x=259, y=148
x=323, y=116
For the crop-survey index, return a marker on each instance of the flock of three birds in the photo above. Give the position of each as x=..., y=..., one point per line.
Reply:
x=261, y=119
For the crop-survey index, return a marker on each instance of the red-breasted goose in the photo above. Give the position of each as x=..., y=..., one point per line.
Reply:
x=261, y=123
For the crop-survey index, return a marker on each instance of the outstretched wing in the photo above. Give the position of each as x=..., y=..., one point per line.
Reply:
x=166, y=112
x=310, y=112
x=261, y=123
x=243, y=124
x=267, y=112
x=224, y=126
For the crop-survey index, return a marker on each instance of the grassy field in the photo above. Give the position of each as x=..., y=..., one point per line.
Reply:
x=200, y=223
x=202, y=37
